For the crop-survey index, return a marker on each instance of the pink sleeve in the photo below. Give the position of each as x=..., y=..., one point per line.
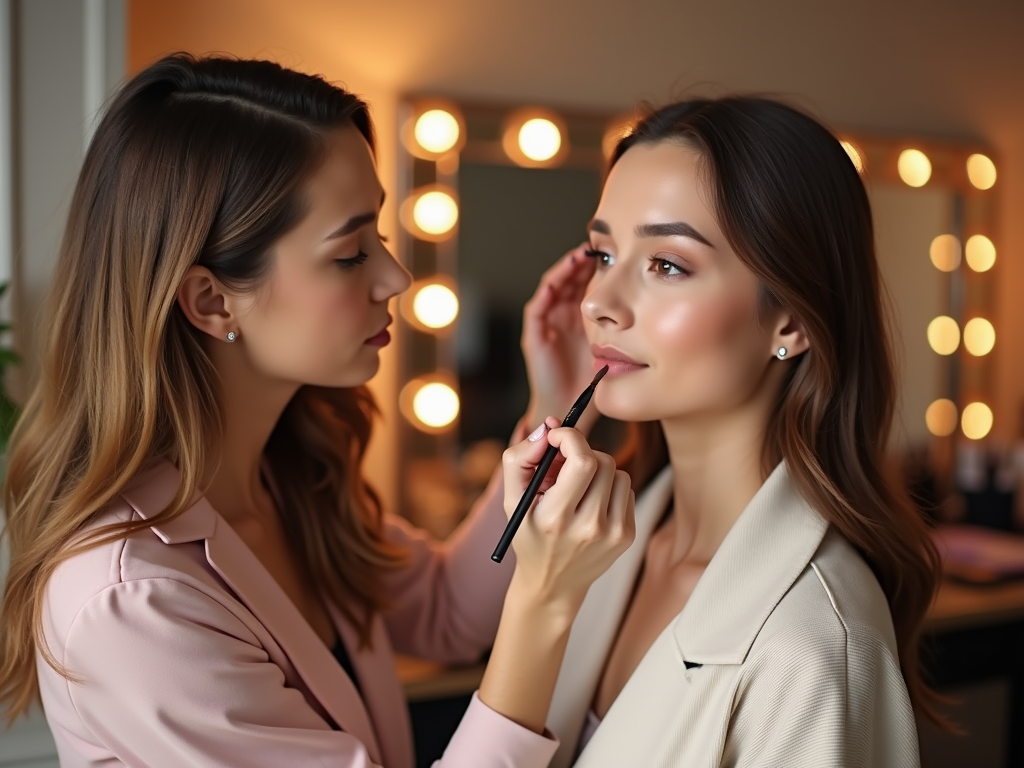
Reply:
x=448, y=599
x=485, y=738
x=172, y=678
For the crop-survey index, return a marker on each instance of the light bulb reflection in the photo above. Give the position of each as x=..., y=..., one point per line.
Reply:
x=941, y=417
x=979, y=336
x=945, y=252
x=435, y=212
x=435, y=404
x=539, y=139
x=436, y=131
x=944, y=335
x=914, y=167
x=981, y=171
x=976, y=421
x=980, y=253
x=435, y=305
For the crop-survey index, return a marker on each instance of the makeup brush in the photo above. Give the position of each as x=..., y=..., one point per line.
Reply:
x=542, y=469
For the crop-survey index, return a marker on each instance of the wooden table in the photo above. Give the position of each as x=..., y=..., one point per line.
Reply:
x=975, y=635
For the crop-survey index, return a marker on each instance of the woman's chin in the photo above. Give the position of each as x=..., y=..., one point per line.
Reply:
x=621, y=407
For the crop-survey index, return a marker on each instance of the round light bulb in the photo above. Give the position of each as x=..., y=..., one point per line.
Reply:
x=976, y=421
x=981, y=171
x=435, y=212
x=980, y=252
x=436, y=306
x=979, y=336
x=539, y=139
x=944, y=335
x=436, y=405
x=436, y=131
x=945, y=252
x=854, y=154
x=914, y=167
x=941, y=417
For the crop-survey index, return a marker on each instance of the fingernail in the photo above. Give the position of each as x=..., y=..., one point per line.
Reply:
x=538, y=433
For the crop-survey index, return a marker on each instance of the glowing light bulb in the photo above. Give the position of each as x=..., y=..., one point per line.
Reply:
x=436, y=306
x=981, y=171
x=435, y=404
x=979, y=336
x=436, y=130
x=944, y=335
x=945, y=252
x=976, y=421
x=539, y=139
x=941, y=417
x=854, y=154
x=435, y=212
x=914, y=167
x=981, y=253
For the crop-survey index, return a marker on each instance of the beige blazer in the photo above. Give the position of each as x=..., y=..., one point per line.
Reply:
x=784, y=654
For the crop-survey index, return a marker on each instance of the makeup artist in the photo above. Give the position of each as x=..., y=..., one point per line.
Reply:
x=199, y=574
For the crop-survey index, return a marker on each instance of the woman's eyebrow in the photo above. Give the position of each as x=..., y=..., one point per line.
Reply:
x=671, y=229
x=357, y=221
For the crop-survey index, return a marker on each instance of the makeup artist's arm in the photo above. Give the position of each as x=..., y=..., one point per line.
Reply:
x=558, y=360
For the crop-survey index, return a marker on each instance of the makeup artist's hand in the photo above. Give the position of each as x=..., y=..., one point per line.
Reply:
x=558, y=361
x=580, y=523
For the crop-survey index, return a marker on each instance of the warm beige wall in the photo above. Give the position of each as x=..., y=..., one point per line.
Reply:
x=235, y=27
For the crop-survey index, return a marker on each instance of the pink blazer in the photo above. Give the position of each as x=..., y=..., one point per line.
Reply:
x=186, y=652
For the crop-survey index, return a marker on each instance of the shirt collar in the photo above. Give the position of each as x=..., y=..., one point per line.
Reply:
x=764, y=553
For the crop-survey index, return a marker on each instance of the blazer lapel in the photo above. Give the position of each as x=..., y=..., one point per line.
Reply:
x=597, y=623
x=229, y=556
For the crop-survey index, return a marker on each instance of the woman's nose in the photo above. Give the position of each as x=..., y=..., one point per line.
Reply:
x=393, y=280
x=604, y=304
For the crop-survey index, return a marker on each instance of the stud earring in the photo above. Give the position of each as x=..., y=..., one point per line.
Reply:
x=781, y=354
x=231, y=336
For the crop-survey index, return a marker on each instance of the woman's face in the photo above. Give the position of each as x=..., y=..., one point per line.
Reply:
x=322, y=315
x=671, y=308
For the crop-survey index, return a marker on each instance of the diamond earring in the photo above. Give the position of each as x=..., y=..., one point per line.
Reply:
x=781, y=354
x=231, y=336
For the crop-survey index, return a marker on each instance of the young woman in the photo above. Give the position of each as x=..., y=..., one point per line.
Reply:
x=768, y=612
x=199, y=574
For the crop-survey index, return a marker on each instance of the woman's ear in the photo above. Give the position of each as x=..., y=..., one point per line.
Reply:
x=206, y=304
x=790, y=338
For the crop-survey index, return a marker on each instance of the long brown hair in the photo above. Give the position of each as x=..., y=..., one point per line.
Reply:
x=795, y=211
x=196, y=161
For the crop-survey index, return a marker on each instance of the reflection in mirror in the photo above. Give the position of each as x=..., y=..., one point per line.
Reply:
x=514, y=207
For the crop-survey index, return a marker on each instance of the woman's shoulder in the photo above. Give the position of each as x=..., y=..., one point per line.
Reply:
x=835, y=610
x=108, y=566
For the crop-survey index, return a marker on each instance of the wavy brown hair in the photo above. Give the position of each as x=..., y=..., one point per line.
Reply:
x=196, y=161
x=795, y=211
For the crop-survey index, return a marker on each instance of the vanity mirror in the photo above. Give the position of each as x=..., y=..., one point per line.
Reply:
x=492, y=195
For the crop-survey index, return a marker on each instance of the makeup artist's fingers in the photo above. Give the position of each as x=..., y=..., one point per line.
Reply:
x=592, y=509
x=581, y=464
x=562, y=282
x=520, y=461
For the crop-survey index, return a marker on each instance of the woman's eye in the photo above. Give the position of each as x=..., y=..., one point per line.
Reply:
x=604, y=259
x=667, y=268
x=353, y=261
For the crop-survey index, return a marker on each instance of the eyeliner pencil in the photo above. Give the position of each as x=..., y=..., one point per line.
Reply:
x=542, y=469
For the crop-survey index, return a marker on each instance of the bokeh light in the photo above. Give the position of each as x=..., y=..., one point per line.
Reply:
x=981, y=171
x=979, y=336
x=945, y=252
x=914, y=167
x=436, y=131
x=435, y=305
x=944, y=335
x=976, y=421
x=941, y=417
x=980, y=253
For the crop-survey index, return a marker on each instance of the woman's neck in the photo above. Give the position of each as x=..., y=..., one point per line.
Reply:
x=716, y=470
x=251, y=406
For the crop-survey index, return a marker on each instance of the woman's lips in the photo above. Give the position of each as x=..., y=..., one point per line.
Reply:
x=383, y=338
x=617, y=362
